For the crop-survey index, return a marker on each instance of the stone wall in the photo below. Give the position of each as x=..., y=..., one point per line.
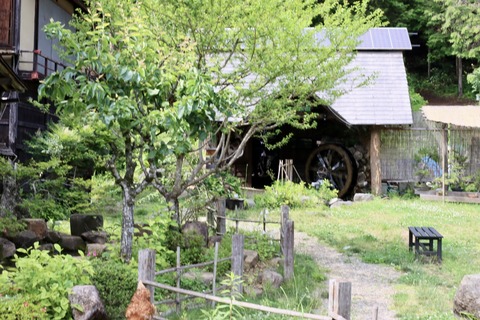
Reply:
x=85, y=235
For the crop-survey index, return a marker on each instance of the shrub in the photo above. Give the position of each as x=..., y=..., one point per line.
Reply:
x=294, y=195
x=21, y=307
x=38, y=276
x=116, y=282
x=156, y=237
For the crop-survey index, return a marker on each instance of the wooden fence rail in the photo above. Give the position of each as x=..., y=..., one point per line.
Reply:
x=339, y=291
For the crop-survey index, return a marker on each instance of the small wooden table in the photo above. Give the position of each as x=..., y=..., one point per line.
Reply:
x=423, y=239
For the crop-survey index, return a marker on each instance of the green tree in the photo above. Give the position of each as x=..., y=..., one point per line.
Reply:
x=458, y=22
x=161, y=80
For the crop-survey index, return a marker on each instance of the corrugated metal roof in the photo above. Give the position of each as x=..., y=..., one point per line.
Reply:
x=465, y=116
x=385, y=100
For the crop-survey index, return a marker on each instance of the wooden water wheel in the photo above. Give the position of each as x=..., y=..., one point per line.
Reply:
x=334, y=163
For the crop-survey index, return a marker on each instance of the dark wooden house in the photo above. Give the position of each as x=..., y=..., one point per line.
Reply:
x=26, y=57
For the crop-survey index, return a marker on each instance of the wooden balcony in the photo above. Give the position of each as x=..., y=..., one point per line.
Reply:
x=41, y=66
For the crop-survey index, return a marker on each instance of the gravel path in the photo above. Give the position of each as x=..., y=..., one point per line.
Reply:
x=372, y=285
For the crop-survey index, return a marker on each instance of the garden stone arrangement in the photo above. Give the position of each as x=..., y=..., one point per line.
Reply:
x=85, y=235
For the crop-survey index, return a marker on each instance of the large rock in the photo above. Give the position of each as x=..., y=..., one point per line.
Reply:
x=100, y=237
x=359, y=197
x=88, y=298
x=53, y=236
x=24, y=239
x=205, y=277
x=72, y=243
x=7, y=249
x=95, y=249
x=80, y=223
x=467, y=298
x=214, y=239
x=39, y=226
x=339, y=202
x=198, y=227
x=270, y=278
x=251, y=259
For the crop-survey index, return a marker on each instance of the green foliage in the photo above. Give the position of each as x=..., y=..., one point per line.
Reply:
x=37, y=276
x=116, y=282
x=294, y=195
x=474, y=80
x=11, y=225
x=224, y=251
x=193, y=248
x=155, y=236
x=416, y=100
x=227, y=311
x=263, y=244
x=424, y=158
x=21, y=307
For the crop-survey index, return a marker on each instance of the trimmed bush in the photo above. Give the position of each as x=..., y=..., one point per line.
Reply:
x=116, y=282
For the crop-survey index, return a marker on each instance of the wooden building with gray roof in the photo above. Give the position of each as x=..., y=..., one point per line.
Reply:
x=345, y=148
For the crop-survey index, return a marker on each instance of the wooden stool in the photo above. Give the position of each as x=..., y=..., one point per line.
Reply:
x=423, y=239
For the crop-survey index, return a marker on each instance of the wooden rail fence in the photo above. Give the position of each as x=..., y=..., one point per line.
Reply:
x=339, y=291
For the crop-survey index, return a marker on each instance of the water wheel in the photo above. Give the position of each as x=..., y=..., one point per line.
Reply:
x=334, y=163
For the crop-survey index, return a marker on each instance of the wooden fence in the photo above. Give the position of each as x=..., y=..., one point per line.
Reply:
x=339, y=304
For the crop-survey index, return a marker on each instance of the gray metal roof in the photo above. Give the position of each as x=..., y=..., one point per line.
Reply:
x=385, y=100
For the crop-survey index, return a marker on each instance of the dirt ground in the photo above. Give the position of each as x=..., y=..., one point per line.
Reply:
x=372, y=285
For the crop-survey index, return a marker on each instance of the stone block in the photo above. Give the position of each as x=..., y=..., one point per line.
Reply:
x=7, y=249
x=72, y=243
x=95, y=237
x=80, y=223
x=39, y=226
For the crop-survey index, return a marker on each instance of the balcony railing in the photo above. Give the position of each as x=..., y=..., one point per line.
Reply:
x=41, y=66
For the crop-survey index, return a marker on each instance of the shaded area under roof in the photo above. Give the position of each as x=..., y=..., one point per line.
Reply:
x=9, y=81
x=465, y=116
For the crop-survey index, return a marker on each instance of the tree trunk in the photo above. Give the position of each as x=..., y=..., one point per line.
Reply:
x=127, y=226
x=175, y=208
x=460, y=76
x=10, y=192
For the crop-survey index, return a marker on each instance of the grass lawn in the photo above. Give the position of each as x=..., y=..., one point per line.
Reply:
x=378, y=232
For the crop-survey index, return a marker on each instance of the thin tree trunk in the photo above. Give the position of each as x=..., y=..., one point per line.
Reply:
x=127, y=226
x=460, y=76
x=176, y=211
x=10, y=191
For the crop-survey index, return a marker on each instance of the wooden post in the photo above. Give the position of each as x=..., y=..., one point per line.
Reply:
x=339, y=298
x=375, y=165
x=237, y=258
x=264, y=222
x=444, y=150
x=288, y=261
x=214, y=282
x=375, y=313
x=284, y=216
x=221, y=221
x=146, y=268
x=179, y=277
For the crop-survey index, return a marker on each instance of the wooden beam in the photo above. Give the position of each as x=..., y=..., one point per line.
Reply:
x=375, y=164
